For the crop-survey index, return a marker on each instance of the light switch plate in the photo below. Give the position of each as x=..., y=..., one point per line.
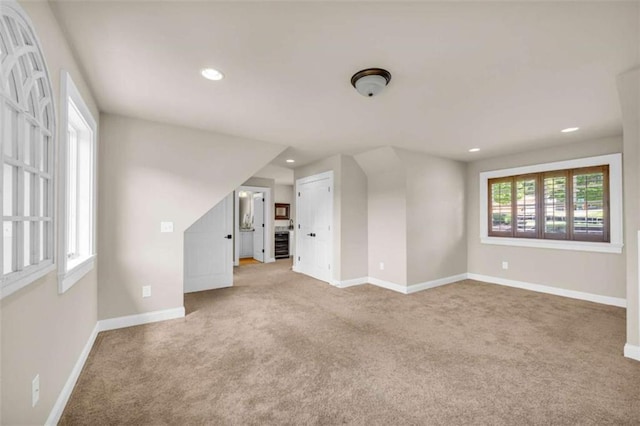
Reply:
x=146, y=291
x=505, y=264
x=166, y=226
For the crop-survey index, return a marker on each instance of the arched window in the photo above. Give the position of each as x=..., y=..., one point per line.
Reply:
x=27, y=123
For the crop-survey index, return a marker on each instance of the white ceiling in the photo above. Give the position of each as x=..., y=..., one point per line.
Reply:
x=500, y=76
x=281, y=175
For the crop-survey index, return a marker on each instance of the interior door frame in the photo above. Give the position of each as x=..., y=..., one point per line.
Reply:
x=307, y=179
x=261, y=254
x=268, y=223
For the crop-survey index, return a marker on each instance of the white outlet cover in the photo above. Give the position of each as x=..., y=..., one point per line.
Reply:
x=166, y=226
x=35, y=390
x=505, y=265
x=146, y=291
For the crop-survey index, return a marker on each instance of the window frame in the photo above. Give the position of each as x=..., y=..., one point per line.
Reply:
x=17, y=280
x=614, y=224
x=70, y=93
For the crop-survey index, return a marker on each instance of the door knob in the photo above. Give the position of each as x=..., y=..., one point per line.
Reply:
x=228, y=237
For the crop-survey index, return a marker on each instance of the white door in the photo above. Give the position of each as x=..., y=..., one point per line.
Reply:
x=314, y=237
x=258, y=226
x=208, y=249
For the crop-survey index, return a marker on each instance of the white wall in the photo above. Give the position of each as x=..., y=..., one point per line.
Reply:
x=416, y=216
x=154, y=172
x=629, y=91
x=386, y=214
x=43, y=332
x=436, y=217
x=596, y=273
x=354, y=235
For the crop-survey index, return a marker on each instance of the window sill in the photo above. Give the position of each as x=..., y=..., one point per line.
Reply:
x=554, y=244
x=24, y=280
x=68, y=279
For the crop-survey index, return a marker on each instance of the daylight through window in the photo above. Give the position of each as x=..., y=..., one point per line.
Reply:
x=568, y=204
x=27, y=123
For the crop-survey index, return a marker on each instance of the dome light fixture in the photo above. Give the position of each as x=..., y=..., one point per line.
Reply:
x=371, y=81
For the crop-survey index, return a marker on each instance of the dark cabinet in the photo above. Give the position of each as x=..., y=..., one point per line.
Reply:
x=282, y=245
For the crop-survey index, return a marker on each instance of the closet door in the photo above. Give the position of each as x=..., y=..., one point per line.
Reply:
x=315, y=215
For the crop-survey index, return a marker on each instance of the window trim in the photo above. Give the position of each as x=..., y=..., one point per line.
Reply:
x=21, y=279
x=68, y=90
x=614, y=161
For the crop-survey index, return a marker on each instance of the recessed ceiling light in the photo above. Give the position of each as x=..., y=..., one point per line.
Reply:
x=291, y=161
x=570, y=129
x=474, y=150
x=212, y=74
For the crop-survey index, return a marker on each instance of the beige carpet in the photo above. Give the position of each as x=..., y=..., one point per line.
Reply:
x=281, y=348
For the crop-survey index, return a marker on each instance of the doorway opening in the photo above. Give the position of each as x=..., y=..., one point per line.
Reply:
x=253, y=223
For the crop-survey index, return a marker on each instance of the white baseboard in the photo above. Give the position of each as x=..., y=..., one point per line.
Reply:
x=436, y=283
x=351, y=283
x=632, y=351
x=65, y=393
x=388, y=285
x=605, y=300
x=138, y=319
x=399, y=287
x=413, y=288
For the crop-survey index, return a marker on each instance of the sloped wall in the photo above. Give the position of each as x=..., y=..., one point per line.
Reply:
x=152, y=172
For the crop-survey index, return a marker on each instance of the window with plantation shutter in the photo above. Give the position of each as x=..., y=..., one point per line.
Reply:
x=571, y=204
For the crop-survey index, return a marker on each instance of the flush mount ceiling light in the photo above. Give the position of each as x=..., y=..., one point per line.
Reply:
x=291, y=160
x=371, y=81
x=212, y=74
x=570, y=129
x=474, y=150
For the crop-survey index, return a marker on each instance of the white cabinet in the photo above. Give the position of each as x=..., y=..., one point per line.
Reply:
x=246, y=244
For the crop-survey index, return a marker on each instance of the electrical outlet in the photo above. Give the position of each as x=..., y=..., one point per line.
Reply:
x=35, y=390
x=382, y=266
x=146, y=291
x=505, y=264
x=166, y=226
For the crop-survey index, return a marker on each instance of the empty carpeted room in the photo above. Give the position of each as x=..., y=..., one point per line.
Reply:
x=301, y=212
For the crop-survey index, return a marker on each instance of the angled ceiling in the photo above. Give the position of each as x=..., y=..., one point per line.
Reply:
x=500, y=76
